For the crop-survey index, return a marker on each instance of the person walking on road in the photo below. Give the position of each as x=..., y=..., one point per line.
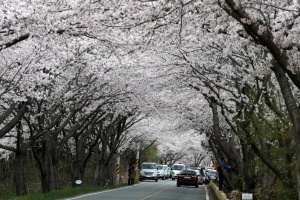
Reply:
x=132, y=175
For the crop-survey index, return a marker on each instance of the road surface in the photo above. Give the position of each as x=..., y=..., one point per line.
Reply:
x=151, y=190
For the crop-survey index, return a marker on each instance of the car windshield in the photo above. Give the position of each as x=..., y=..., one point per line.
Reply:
x=178, y=167
x=188, y=172
x=159, y=167
x=148, y=166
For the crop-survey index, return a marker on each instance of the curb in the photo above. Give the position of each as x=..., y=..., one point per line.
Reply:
x=220, y=194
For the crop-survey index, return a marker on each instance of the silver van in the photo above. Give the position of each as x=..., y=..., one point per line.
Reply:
x=148, y=171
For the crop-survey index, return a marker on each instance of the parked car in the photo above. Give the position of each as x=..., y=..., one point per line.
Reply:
x=209, y=168
x=169, y=172
x=212, y=174
x=187, y=177
x=201, y=177
x=162, y=171
x=148, y=171
x=176, y=169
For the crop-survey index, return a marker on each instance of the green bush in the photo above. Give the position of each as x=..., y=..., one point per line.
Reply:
x=7, y=190
x=284, y=193
x=238, y=182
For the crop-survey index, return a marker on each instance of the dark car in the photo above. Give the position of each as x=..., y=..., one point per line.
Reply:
x=187, y=177
x=212, y=174
x=201, y=177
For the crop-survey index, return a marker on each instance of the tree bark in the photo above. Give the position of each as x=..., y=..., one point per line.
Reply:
x=97, y=167
x=49, y=167
x=19, y=173
x=20, y=156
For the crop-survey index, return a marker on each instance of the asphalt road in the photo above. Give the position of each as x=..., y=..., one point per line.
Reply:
x=150, y=190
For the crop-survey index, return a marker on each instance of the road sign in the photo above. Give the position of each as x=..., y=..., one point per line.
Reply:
x=247, y=196
x=137, y=162
x=118, y=169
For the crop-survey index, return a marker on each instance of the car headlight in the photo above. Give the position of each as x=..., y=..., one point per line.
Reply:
x=142, y=172
x=154, y=173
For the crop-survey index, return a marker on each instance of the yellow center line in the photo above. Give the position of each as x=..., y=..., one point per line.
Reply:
x=157, y=192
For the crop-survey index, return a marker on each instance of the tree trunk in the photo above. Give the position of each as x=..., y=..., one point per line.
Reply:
x=20, y=156
x=49, y=167
x=107, y=176
x=249, y=170
x=78, y=173
x=19, y=174
x=97, y=167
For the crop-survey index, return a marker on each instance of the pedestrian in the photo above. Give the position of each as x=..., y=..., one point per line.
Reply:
x=221, y=173
x=201, y=171
x=132, y=175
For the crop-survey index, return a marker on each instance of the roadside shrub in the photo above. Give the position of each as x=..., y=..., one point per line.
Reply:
x=7, y=190
x=281, y=192
x=238, y=183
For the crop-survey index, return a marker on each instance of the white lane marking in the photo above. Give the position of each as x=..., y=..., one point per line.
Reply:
x=207, y=197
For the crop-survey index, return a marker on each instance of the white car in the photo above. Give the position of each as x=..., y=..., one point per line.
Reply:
x=148, y=171
x=162, y=171
x=176, y=169
x=209, y=168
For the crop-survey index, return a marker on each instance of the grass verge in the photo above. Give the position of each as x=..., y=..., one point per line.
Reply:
x=67, y=192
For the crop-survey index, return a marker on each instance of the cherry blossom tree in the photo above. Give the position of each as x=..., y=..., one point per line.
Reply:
x=217, y=66
x=218, y=31
x=64, y=69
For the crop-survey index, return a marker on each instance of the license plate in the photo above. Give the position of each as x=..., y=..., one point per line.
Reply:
x=212, y=177
x=186, y=177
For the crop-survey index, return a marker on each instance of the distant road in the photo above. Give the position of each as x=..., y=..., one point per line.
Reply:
x=150, y=190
